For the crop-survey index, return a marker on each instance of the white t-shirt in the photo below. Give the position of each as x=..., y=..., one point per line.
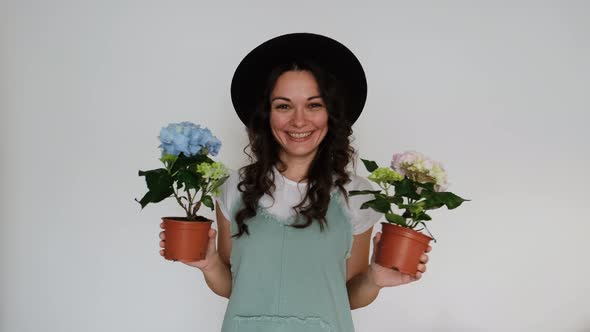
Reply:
x=289, y=193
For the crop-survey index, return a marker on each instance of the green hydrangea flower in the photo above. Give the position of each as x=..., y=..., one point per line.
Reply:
x=385, y=175
x=213, y=171
x=216, y=192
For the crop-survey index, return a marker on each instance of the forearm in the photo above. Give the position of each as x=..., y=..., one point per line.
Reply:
x=218, y=277
x=362, y=289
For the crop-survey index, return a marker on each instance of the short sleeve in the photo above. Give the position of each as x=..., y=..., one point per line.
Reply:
x=228, y=193
x=362, y=219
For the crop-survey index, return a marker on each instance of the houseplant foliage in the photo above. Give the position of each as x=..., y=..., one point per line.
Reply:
x=414, y=184
x=191, y=177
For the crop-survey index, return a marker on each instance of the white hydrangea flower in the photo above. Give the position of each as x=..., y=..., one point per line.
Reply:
x=420, y=168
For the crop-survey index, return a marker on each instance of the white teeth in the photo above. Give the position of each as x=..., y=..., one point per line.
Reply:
x=300, y=135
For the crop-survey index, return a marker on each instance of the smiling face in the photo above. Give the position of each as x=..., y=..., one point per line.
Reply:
x=298, y=117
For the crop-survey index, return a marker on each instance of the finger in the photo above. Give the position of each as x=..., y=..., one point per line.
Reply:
x=162, y=235
x=428, y=249
x=212, y=246
x=406, y=278
x=422, y=268
x=162, y=252
x=424, y=258
x=376, y=238
x=162, y=244
x=418, y=276
x=162, y=225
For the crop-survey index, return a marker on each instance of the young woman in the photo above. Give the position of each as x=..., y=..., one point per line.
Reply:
x=293, y=248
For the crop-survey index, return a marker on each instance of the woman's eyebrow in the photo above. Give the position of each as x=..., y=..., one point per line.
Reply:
x=289, y=100
x=283, y=98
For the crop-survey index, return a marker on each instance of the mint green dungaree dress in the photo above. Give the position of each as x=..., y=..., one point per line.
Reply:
x=286, y=279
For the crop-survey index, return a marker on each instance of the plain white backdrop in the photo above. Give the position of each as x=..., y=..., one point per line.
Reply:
x=498, y=91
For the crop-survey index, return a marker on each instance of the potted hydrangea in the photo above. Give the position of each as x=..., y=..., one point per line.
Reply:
x=185, y=154
x=415, y=184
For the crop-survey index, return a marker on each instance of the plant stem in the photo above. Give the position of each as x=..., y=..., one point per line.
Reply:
x=386, y=188
x=179, y=201
x=190, y=199
x=197, y=207
x=204, y=192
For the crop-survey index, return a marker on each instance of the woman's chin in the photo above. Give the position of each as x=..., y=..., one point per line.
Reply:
x=299, y=152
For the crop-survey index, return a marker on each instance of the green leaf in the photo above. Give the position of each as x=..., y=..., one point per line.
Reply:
x=168, y=160
x=362, y=192
x=190, y=179
x=396, y=219
x=452, y=201
x=208, y=202
x=432, y=200
x=413, y=208
x=431, y=205
x=439, y=199
x=377, y=204
x=147, y=198
x=159, y=183
x=370, y=165
x=184, y=161
x=395, y=199
x=422, y=216
x=218, y=183
x=381, y=195
x=153, y=197
x=406, y=188
x=157, y=179
x=428, y=185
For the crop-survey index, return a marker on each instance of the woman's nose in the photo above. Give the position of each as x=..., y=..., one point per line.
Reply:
x=299, y=117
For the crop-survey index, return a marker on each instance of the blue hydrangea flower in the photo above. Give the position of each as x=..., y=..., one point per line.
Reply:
x=213, y=146
x=188, y=138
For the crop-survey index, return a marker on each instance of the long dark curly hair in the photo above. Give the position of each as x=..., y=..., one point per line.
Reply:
x=333, y=156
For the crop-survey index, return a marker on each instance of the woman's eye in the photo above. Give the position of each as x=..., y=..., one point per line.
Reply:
x=316, y=105
x=282, y=106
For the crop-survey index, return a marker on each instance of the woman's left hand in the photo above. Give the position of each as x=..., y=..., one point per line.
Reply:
x=388, y=277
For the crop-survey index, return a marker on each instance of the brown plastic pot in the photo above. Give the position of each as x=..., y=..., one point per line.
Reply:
x=401, y=248
x=186, y=241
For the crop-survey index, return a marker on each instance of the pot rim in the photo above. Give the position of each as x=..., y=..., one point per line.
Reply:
x=411, y=233
x=180, y=219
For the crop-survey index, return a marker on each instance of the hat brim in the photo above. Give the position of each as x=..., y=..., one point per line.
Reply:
x=252, y=72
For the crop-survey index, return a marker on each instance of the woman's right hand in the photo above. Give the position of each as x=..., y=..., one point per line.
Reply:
x=210, y=256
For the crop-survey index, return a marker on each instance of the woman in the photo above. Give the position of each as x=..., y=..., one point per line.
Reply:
x=293, y=247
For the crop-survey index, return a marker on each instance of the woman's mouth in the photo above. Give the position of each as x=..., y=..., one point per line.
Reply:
x=299, y=137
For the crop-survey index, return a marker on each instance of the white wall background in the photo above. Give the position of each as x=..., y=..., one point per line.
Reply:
x=497, y=91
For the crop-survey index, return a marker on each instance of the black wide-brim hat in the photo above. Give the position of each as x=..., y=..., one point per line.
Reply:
x=252, y=73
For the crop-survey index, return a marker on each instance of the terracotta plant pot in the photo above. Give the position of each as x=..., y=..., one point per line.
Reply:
x=401, y=248
x=186, y=241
